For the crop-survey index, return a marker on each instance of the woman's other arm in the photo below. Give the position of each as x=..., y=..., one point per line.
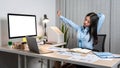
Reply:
x=100, y=21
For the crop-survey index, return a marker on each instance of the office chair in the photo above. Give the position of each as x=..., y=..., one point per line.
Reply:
x=101, y=41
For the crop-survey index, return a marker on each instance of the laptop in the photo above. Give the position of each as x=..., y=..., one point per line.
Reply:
x=33, y=47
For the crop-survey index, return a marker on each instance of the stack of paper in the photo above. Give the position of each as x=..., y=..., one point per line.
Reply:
x=80, y=50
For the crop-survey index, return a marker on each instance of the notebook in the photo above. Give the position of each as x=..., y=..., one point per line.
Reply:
x=80, y=50
x=33, y=47
x=104, y=54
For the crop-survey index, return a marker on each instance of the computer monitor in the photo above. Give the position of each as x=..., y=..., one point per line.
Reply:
x=21, y=25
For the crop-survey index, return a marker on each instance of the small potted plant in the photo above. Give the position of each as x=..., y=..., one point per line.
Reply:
x=65, y=30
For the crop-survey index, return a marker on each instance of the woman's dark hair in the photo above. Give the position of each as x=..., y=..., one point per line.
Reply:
x=93, y=27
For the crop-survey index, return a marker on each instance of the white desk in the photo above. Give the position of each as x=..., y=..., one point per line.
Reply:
x=55, y=56
x=25, y=53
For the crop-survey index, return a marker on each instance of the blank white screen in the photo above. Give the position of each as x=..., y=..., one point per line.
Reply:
x=22, y=25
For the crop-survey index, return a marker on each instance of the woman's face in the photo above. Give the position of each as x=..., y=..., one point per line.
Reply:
x=87, y=21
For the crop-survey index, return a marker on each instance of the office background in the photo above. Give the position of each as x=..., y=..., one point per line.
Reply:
x=72, y=9
x=76, y=11
x=35, y=7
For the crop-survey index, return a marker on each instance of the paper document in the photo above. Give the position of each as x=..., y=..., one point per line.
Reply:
x=88, y=58
x=80, y=50
x=71, y=54
x=57, y=49
x=116, y=56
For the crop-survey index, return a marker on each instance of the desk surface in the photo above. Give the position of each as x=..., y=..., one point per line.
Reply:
x=57, y=57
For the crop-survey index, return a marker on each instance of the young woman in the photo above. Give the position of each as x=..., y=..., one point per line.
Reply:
x=86, y=34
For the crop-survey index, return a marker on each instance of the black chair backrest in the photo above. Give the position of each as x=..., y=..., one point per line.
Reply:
x=101, y=41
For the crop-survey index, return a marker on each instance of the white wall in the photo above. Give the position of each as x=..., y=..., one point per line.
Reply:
x=35, y=7
x=0, y=34
x=115, y=26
